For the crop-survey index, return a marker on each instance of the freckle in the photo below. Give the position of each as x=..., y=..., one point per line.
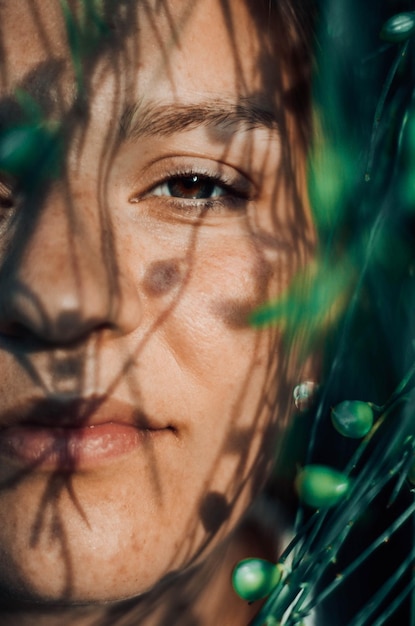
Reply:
x=161, y=277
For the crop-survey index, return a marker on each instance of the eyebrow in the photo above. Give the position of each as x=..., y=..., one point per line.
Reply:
x=152, y=119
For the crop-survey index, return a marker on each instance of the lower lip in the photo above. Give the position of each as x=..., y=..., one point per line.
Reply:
x=70, y=449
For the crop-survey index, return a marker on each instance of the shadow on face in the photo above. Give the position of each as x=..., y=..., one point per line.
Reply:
x=152, y=197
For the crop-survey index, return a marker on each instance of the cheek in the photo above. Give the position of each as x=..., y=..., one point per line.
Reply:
x=216, y=375
x=221, y=366
x=223, y=285
x=215, y=293
x=197, y=306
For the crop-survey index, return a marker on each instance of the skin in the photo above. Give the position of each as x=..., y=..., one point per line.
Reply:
x=111, y=288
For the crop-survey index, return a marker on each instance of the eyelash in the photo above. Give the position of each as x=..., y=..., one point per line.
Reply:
x=7, y=196
x=224, y=194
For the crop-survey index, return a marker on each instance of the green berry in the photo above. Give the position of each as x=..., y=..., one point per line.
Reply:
x=352, y=418
x=321, y=487
x=399, y=27
x=254, y=579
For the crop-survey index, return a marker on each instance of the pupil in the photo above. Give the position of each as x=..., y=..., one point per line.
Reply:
x=191, y=187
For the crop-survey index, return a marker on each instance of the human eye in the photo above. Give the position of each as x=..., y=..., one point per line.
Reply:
x=9, y=199
x=192, y=187
x=7, y=196
x=193, y=191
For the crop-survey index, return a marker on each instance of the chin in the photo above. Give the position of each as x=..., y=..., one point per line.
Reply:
x=72, y=572
x=53, y=590
x=79, y=572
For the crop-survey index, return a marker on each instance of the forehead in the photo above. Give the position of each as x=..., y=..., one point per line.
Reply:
x=169, y=50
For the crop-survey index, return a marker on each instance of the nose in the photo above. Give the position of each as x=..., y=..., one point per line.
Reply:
x=62, y=278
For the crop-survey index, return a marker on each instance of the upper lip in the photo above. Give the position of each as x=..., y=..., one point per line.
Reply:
x=58, y=412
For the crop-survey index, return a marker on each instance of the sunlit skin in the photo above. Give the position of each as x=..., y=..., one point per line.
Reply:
x=122, y=291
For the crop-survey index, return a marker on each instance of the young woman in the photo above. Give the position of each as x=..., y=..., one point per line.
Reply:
x=152, y=195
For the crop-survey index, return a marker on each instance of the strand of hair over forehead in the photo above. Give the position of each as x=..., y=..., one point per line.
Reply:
x=300, y=14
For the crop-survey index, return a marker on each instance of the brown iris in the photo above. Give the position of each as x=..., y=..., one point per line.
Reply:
x=192, y=187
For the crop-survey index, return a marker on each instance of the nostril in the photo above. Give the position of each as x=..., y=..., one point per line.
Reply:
x=15, y=330
x=73, y=326
x=69, y=327
x=66, y=324
x=45, y=310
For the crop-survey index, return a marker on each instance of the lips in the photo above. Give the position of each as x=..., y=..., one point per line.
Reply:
x=75, y=435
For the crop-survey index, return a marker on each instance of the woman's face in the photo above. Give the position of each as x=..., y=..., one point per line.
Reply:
x=138, y=407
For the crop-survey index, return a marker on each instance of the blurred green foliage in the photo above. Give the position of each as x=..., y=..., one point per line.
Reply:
x=357, y=301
